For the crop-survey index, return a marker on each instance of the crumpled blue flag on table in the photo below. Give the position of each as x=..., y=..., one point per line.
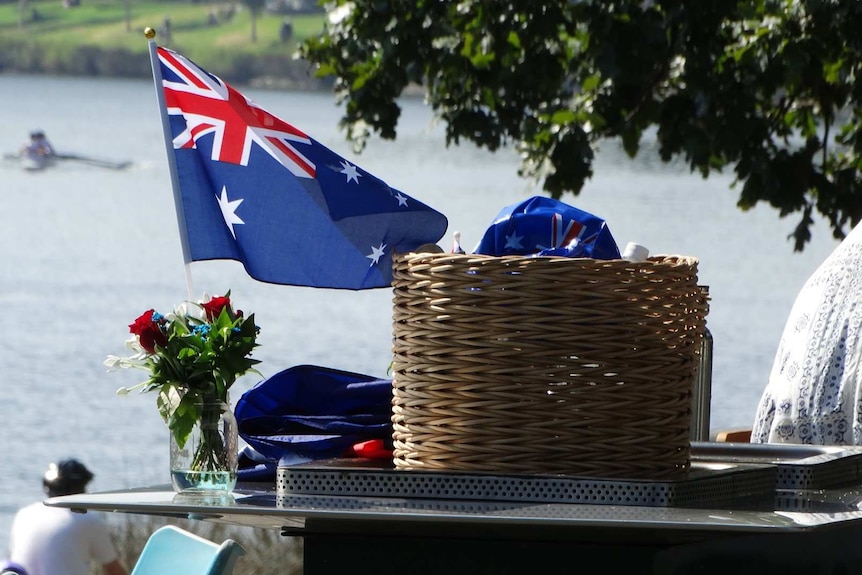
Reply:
x=546, y=227
x=308, y=413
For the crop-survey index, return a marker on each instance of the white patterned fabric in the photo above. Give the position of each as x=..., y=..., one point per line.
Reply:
x=813, y=395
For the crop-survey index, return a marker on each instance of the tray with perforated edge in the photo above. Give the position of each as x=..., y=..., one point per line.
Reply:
x=803, y=467
x=727, y=486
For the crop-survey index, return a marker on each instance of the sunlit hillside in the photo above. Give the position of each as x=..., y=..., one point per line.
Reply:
x=105, y=37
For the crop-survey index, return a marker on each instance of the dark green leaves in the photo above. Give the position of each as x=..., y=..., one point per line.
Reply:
x=762, y=87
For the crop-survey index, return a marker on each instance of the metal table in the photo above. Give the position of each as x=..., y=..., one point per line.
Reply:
x=797, y=531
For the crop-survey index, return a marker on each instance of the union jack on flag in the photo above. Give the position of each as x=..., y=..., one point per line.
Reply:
x=256, y=189
x=562, y=233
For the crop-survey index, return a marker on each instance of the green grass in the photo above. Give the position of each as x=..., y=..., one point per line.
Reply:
x=102, y=26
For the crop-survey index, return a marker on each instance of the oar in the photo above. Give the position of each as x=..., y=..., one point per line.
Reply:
x=94, y=161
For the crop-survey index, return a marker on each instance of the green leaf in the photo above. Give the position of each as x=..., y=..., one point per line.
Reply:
x=513, y=39
x=591, y=83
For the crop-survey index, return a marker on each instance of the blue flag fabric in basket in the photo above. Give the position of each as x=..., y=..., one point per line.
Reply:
x=258, y=190
x=307, y=413
x=546, y=227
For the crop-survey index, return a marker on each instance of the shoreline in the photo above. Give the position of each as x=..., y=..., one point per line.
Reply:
x=277, y=72
x=264, y=82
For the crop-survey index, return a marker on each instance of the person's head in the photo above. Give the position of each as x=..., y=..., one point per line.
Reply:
x=66, y=477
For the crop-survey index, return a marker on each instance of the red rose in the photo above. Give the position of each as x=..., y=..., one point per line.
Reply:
x=214, y=306
x=149, y=331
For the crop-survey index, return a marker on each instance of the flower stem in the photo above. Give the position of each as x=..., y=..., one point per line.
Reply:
x=210, y=452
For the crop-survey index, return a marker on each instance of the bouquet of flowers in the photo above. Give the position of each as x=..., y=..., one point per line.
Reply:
x=193, y=356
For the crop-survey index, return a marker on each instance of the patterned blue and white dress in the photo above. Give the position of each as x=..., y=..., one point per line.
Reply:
x=814, y=394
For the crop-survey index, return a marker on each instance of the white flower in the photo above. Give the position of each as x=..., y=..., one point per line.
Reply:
x=127, y=390
x=138, y=360
x=180, y=311
x=133, y=345
x=186, y=310
x=113, y=362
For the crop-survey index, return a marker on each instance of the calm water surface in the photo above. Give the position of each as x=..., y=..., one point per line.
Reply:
x=84, y=250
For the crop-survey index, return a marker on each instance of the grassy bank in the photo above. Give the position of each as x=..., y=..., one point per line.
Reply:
x=105, y=38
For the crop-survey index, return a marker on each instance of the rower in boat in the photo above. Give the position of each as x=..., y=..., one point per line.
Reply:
x=39, y=152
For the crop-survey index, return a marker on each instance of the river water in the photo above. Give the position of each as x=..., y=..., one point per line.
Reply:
x=84, y=250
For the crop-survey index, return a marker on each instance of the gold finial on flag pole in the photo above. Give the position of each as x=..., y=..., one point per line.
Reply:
x=149, y=33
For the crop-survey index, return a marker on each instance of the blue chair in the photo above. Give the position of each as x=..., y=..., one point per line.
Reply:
x=173, y=551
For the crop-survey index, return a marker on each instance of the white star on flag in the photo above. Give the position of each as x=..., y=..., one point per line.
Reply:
x=402, y=201
x=349, y=170
x=514, y=242
x=376, y=254
x=228, y=211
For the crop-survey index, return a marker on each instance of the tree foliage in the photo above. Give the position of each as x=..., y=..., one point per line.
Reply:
x=768, y=88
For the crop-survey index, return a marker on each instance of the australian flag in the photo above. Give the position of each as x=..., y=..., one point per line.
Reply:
x=258, y=190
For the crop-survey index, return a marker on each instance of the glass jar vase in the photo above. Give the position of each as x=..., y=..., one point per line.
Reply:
x=206, y=462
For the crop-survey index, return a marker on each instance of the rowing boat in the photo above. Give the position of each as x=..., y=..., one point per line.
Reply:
x=35, y=162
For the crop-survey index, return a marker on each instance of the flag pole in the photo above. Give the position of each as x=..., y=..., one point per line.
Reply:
x=150, y=34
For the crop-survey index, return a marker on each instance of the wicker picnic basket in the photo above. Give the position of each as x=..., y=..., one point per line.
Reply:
x=545, y=365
